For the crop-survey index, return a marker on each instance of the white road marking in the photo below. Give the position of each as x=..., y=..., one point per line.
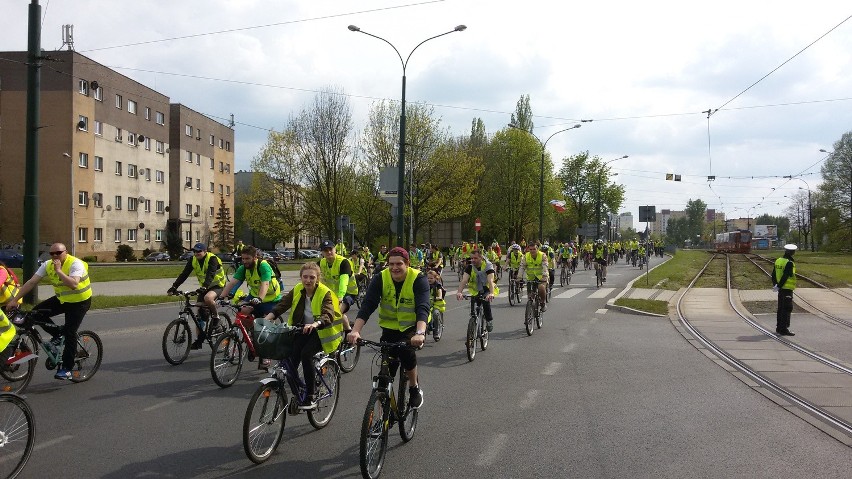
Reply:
x=569, y=293
x=158, y=405
x=569, y=348
x=552, y=369
x=528, y=401
x=494, y=450
x=39, y=447
x=602, y=293
x=581, y=284
x=601, y=311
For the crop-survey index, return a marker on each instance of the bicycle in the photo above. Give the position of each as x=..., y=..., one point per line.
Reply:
x=17, y=434
x=265, y=416
x=476, y=330
x=347, y=355
x=514, y=288
x=226, y=360
x=565, y=273
x=19, y=367
x=437, y=323
x=384, y=409
x=177, y=338
x=533, y=312
x=362, y=287
x=598, y=275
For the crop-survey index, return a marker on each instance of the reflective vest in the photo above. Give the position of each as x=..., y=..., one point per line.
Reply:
x=780, y=264
x=472, y=282
x=330, y=336
x=534, y=271
x=273, y=293
x=9, y=288
x=64, y=293
x=7, y=331
x=492, y=256
x=331, y=276
x=201, y=271
x=414, y=257
x=439, y=304
x=515, y=259
x=382, y=257
x=398, y=314
x=599, y=252
x=436, y=257
x=340, y=249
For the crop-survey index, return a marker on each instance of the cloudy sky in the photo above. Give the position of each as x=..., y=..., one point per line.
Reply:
x=643, y=71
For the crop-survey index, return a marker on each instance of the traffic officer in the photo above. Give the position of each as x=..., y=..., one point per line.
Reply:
x=784, y=282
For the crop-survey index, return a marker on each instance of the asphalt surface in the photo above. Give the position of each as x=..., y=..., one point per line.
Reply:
x=595, y=393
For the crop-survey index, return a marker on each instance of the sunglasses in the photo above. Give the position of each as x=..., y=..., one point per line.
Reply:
x=56, y=253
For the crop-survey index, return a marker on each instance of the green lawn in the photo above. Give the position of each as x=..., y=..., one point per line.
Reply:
x=677, y=272
x=650, y=305
x=105, y=302
x=103, y=273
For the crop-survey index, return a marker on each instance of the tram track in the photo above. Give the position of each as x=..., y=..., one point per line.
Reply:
x=807, y=400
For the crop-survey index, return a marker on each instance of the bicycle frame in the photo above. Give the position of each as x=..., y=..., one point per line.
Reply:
x=281, y=373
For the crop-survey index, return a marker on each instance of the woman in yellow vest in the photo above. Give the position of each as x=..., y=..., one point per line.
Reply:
x=401, y=294
x=69, y=277
x=315, y=309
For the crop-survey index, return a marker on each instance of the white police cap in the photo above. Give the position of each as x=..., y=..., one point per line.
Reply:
x=790, y=247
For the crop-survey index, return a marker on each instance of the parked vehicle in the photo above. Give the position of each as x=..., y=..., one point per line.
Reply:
x=309, y=253
x=158, y=257
x=186, y=256
x=12, y=258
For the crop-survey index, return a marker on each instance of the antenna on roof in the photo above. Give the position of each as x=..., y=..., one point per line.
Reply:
x=231, y=123
x=68, y=37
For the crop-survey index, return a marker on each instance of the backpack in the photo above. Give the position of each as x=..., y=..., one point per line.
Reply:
x=275, y=271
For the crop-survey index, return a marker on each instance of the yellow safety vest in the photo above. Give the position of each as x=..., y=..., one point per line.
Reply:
x=9, y=288
x=330, y=336
x=439, y=304
x=780, y=264
x=7, y=331
x=272, y=293
x=331, y=275
x=201, y=271
x=534, y=266
x=471, y=282
x=64, y=293
x=398, y=314
x=515, y=259
x=382, y=257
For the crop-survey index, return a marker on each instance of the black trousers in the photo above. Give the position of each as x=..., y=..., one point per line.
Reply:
x=305, y=346
x=74, y=314
x=785, y=307
x=405, y=355
x=486, y=307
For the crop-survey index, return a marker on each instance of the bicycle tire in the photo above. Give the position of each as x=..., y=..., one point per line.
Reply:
x=177, y=339
x=470, y=343
x=262, y=434
x=326, y=399
x=16, y=377
x=347, y=356
x=374, y=436
x=483, y=337
x=407, y=416
x=226, y=360
x=18, y=433
x=529, y=313
x=512, y=287
x=539, y=319
x=90, y=352
x=437, y=325
x=562, y=277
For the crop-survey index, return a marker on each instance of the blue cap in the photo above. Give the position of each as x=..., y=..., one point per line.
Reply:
x=326, y=244
x=199, y=247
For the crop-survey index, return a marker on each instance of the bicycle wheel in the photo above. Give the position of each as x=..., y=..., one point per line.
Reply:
x=539, y=319
x=347, y=356
x=529, y=314
x=407, y=416
x=226, y=361
x=176, y=341
x=470, y=341
x=437, y=325
x=264, y=421
x=327, y=391
x=90, y=352
x=483, y=335
x=374, y=436
x=562, y=277
x=16, y=377
x=17, y=434
x=512, y=288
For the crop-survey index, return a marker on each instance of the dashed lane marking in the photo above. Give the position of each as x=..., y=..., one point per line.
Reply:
x=601, y=311
x=552, y=369
x=493, y=451
x=528, y=401
x=602, y=293
x=570, y=347
x=569, y=293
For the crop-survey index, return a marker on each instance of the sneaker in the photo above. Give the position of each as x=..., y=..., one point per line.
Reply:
x=309, y=405
x=264, y=364
x=415, y=397
x=197, y=344
x=489, y=326
x=603, y=280
x=62, y=374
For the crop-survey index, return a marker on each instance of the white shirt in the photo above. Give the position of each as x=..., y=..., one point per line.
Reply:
x=77, y=269
x=309, y=315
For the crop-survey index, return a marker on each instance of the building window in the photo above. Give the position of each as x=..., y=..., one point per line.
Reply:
x=131, y=139
x=117, y=235
x=227, y=146
x=227, y=167
x=212, y=187
x=158, y=235
x=99, y=128
x=99, y=94
x=118, y=134
x=212, y=164
x=228, y=190
x=160, y=147
x=161, y=176
x=211, y=140
x=97, y=200
x=131, y=106
x=161, y=207
x=147, y=206
x=118, y=101
x=197, y=235
x=83, y=198
x=99, y=163
x=161, y=119
x=211, y=212
x=148, y=143
x=147, y=174
x=188, y=182
x=118, y=170
x=197, y=210
x=84, y=160
x=131, y=235
x=221, y=189
x=83, y=124
x=147, y=236
x=117, y=202
x=188, y=209
x=84, y=87
x=198, y=159
x=221, y=143
x=99, y=234
x=221, y=166
x=189, y=157
x=131, y=171
x=82, y=235
x=147, y=113
x=198, y=183
x=198, y=133
x=187, y=236
x=188, y=130
x=132, y=203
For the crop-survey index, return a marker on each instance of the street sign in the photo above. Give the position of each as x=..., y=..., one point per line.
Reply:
x=388, y=181
x=477, y=225
x=647, y=214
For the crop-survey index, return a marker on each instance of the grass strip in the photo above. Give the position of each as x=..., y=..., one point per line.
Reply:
x=648, y=305
x=106, y=302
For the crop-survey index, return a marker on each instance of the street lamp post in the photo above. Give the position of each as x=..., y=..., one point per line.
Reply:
x=543, y=145
x=401, y=166
x=598, y=208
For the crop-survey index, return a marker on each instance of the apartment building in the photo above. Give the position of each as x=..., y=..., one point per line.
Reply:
x=104, y=157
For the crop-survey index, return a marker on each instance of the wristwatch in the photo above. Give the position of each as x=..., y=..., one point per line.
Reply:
x=420, y=333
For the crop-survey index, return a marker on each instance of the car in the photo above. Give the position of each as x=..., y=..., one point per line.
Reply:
x=186, y=256
x=12, y=258
x=285, y=254
x=226, y=258
x=309, y=253
x=158, y=257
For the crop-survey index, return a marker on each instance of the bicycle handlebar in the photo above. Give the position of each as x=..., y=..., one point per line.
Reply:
x=384, y=344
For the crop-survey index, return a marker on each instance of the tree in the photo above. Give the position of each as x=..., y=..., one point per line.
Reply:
x=797, y=214
x=584, y=179
x=836, y=189
x=678, y=231
x=522, y=117
x=696, y=212
x=223, y=227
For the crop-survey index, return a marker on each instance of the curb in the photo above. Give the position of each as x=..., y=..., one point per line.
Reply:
x=610, y=304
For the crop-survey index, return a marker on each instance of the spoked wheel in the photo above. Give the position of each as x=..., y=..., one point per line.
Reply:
x=362, y=291
x=407, y=416
x=437, y=325
x=539, y=319
x=327, y=391
x=518, y=294
x=90, y=352
x=227, y=360
x=470, y=342
x=264, y=422
x=529, y=314
x=176, y=341
x=16, y=377
x=374, y=436
x=17, y=434
x=347, y=356
x=562, y=278
x=512, y=287
x=483, y=336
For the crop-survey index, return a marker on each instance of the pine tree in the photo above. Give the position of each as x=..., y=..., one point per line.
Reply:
x=224, y=227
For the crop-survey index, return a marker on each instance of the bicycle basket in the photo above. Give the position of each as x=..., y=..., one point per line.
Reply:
x=273, y=340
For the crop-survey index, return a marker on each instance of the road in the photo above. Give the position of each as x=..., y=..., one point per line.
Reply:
x=595, y=393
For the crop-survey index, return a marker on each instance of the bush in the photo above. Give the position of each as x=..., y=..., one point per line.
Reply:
x=146, y=252
x=125, y=253
x=90, y=259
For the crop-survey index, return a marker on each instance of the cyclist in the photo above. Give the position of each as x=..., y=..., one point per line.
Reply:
x=314, y=307
x=381, y=259
x=340, y=248
x=211, y=279
x=437, y=293
x=416, y=256
x=514, y=259
x=600, y=255
x=9, y=285
x=534, y=263
x=337, y=276
x=494, y=257
x=70, y=279
x=264, y=288
x=359, y=272
x=436, y=260
x=403, y=294
x=479, y=277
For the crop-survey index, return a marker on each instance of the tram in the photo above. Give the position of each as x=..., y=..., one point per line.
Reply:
x=734, y=242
